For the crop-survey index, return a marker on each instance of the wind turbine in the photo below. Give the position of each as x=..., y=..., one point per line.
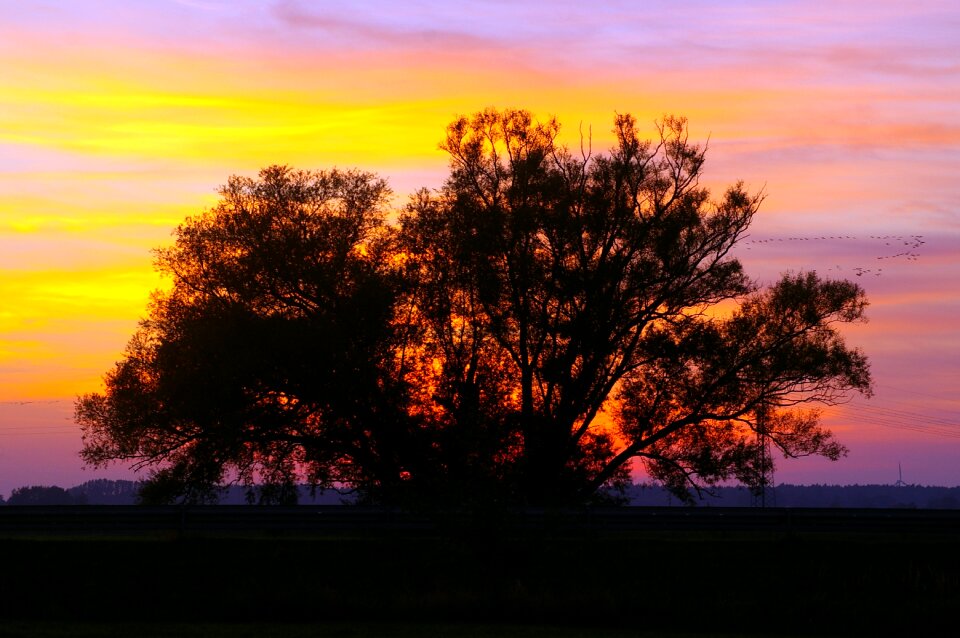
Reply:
x=899, y=482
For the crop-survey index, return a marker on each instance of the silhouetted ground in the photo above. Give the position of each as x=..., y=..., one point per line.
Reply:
x=333, y=630
x=706, y=584
x=328, y=630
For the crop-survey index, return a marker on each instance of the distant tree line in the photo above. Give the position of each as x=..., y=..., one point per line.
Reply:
x=44, y=495
x=124, y=492
x=121, y=492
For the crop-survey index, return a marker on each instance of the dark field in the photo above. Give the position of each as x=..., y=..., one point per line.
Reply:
x=507, y=580
x=323, y=630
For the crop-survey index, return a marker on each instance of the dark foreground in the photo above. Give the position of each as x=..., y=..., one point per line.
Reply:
x=786, y=573
x=43, y=629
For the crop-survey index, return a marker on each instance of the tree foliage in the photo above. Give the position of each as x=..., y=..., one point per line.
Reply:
x=519, y=336
x=266, y=358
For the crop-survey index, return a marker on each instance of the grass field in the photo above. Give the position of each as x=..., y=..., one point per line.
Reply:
x=699, y=584
x=328, y=630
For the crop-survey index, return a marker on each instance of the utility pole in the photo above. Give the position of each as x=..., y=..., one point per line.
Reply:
x=764, y=460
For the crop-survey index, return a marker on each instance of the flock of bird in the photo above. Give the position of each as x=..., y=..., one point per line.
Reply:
x=909, y=246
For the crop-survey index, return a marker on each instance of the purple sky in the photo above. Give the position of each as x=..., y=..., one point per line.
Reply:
x=118, y=118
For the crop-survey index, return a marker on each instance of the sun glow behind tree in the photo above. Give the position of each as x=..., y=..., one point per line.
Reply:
x=116, y=121
x=463, y=356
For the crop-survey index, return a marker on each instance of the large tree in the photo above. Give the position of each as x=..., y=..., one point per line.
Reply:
x=555, y=288
x=521, y=336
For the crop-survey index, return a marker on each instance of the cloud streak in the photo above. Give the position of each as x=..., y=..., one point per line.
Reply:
x=120, y=118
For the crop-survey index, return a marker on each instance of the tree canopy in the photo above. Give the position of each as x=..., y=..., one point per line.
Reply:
x=517, y=336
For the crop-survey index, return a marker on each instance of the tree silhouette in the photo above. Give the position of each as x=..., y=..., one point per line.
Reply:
x=265, y=359
x=520, y=336
x=44, y=495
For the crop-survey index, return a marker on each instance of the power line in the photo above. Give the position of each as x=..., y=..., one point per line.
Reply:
x=36, y=434
x=900, y=419
x=894, y=414
x=919, y=394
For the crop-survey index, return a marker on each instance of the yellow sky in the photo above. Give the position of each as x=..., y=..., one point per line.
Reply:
x=118, y=119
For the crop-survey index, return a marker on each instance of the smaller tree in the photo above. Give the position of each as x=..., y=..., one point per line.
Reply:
x=265, y=362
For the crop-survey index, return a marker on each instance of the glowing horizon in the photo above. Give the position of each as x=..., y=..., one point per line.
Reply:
x=118, y=121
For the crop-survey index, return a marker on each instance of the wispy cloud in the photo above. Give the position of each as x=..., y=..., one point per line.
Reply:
x=118, y=118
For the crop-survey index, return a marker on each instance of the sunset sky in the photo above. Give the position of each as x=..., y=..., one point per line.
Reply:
x=120, y=117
